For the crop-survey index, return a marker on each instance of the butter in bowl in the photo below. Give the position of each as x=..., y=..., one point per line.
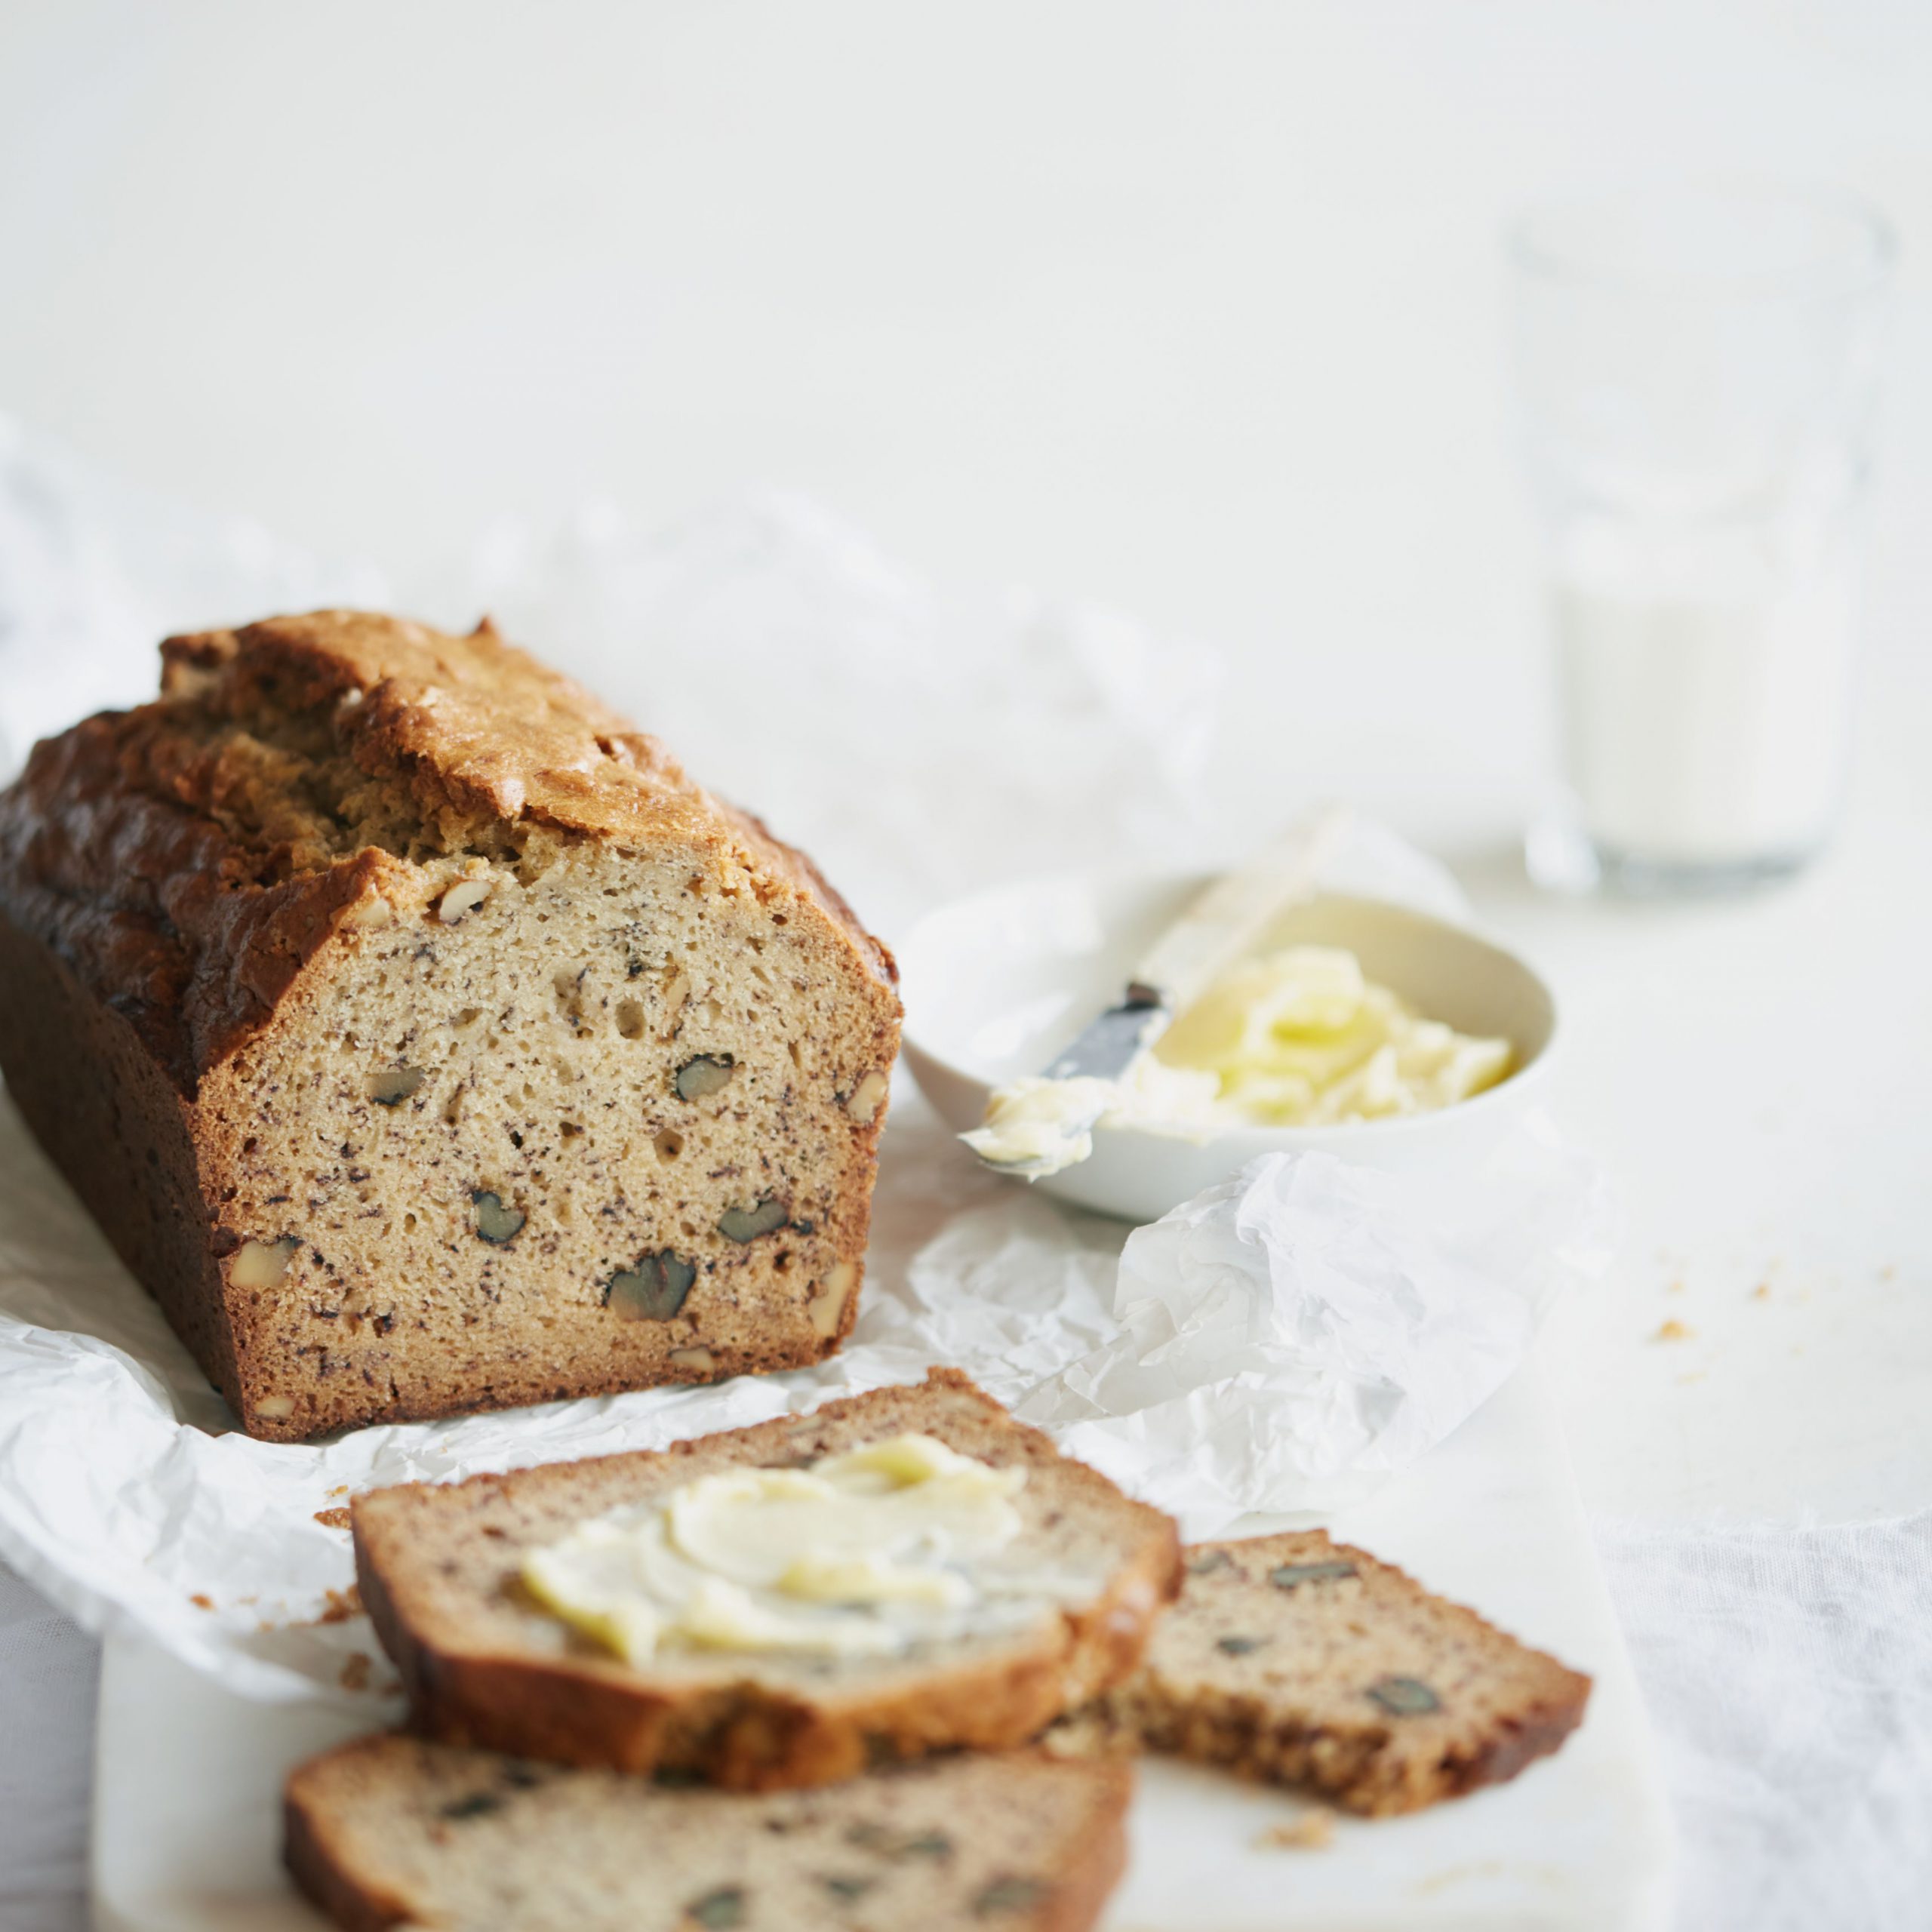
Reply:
x=1363, y=1028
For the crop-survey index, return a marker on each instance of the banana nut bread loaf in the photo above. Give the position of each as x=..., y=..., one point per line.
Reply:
x=391, y=1831
x=427, y=1042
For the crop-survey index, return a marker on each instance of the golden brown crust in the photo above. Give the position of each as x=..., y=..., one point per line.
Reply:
x=323, y=1870
x=748, y=1736
x=470, y=724
x=160, y=914
x=745, y=1734
x=114, y=1124
x=1086, y=1881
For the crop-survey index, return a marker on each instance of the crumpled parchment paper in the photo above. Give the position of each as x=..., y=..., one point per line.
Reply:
x=1210, y=1385
x=1301, y=1329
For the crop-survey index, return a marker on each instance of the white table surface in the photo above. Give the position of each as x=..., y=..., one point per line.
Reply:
x=1755, y=1074
x=1193, y=309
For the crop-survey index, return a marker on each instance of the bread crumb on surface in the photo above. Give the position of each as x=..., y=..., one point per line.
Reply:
x=355, y=1670
x=343, y=1604
x=1672, y=1331
x=333, y=1519
x=201, y=1602
x=1456, y=1874
x=1313, y=1831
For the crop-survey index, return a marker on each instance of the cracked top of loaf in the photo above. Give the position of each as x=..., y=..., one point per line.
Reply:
x=316, y=736
x=188, y=857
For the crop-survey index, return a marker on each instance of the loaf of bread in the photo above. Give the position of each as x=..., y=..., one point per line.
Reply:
x=391, y=1831
x=1300, y=1661
x=442, y=1569
x=425, y=1040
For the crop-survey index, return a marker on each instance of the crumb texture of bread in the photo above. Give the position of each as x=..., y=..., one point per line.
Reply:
x=426, y=1041
x=1300, y=1661
x=439, y=1568
x=390, y=1831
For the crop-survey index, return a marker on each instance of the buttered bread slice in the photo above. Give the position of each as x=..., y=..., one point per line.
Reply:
x=390, y=1831
x=898, y=1572
x=1301, y=1661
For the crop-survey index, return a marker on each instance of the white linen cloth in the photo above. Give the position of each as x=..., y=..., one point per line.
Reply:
x=1787, y=1670
x=1790, y=1681
x=48, y=1667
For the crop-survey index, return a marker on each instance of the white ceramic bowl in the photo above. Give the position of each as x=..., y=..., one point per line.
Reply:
x=996, y=984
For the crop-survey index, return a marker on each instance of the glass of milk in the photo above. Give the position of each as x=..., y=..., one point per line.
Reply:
x=1697, y=370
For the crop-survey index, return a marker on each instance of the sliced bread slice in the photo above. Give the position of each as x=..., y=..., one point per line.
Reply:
x=442, y=1571
x=1301, y=1661
x=391, y=1831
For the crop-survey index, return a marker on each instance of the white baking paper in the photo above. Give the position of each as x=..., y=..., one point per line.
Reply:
x=920, y=743
x=1299, y=1330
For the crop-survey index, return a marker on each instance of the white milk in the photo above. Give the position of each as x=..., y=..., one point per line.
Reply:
x=1705, y=723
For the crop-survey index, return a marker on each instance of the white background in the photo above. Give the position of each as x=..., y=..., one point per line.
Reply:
x=1193, y=309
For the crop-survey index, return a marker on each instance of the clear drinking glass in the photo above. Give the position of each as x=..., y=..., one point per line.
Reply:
x=1697, y=370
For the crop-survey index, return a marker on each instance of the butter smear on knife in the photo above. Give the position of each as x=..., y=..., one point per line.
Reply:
x=1038, y=1127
